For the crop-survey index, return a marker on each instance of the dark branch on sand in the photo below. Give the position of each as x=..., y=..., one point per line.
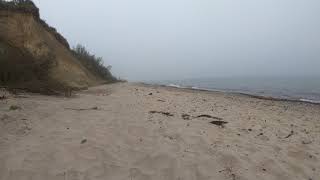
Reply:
x=208, y=116
x=219, y=123
x=93, y=108
x=186, y=116
x=291, y=133
x=161, y=112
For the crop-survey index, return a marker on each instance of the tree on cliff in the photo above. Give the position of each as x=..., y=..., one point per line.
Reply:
x=93, y=63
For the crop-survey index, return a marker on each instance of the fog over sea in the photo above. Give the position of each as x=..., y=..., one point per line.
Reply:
x=290, y=88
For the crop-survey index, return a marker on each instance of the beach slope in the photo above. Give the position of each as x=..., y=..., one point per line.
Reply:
x=129, y=131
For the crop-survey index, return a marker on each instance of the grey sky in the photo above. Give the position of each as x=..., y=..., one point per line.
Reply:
x=176, y=39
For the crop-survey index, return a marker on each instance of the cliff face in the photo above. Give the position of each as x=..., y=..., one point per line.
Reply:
x=35, y=57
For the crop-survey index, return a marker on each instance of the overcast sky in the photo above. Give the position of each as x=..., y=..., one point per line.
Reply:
x=179, y=39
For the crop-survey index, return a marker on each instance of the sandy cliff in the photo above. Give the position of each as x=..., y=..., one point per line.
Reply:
x=34, y=56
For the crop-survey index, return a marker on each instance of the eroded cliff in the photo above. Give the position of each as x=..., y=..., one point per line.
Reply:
x=34, y=56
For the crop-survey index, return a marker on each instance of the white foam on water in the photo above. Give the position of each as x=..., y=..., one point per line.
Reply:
x=174, y=85
x=310, y=101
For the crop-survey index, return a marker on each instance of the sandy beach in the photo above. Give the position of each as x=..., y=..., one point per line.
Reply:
x=130, y=131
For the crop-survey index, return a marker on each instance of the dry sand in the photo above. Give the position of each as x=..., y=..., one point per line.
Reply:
x=123, y=132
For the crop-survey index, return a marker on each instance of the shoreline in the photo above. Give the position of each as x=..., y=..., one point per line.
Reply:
x=261, y=97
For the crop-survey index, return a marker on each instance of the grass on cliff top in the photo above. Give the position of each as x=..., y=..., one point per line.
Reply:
x=26, y=5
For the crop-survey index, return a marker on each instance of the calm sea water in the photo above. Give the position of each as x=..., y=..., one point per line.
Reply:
x=292, y=88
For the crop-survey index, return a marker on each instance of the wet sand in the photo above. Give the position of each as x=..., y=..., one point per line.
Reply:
x=137, y=132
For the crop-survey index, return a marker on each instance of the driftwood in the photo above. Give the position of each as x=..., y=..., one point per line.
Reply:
x=161, y=112
x=219, y=123
x=82, y=109
x=186, y=116
x=208, y=116
x=291, y=133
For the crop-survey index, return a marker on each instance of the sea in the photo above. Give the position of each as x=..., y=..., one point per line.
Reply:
x=306, y=89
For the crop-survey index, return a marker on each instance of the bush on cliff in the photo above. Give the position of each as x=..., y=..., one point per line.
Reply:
x=93, y=63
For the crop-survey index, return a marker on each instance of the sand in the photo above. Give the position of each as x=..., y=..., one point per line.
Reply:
x=131, y=131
